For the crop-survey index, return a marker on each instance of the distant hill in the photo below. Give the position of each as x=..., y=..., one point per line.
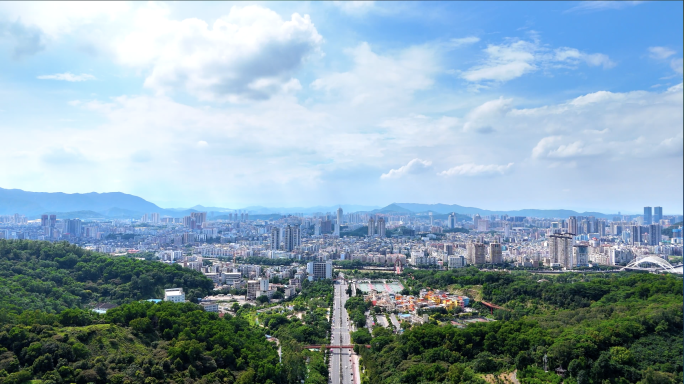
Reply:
x=36, y=203
x=117, y=205
x=446, y=209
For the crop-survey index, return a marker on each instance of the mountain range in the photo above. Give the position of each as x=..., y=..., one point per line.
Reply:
x=121, y=205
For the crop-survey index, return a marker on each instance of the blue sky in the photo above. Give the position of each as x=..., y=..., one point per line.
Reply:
x=499, y=105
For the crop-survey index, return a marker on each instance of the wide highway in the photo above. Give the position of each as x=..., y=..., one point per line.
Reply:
x=342, y=371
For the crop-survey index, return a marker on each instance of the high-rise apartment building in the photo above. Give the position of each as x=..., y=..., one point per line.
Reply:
x=648, y=215
x=200, y=218
x=154, y=217
x=636, y=234
x=291, y=237
x=654, y=234
x=560, y=249
x=495, y=253
x=52, y=222
x=44, y=220
x=326, y=226
x=275, y=238
x=371, y=227
x=339, y=222
x=475, y=253
x=572, y=225
x=190, y=222
x=657, y=214
x=381, y=227
x=451, y=222
x=73, y=227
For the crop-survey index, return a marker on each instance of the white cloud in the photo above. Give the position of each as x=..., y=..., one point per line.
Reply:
x=472, y=169
x=508, y=61
x=676, y=65
x=483, y=118
x=68, y=77
x=251, y=53
x=505, y=62
x=413, y=167
x=660, y=53
x=593, y=6
x=464, y=41
x=572, y=56
x=376, y=79
x=552, y=147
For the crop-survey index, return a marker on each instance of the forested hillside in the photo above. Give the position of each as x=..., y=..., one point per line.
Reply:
x=46, y=337
x=51, y=277
x=612, y=328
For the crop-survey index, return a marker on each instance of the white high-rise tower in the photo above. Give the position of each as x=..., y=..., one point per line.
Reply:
x=339, y=222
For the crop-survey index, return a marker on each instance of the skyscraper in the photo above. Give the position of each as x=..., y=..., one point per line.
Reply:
x=657, y=215
x=275, y=238
x=371, y=227
x=495, y=253
x=339, y=222
x=291, y=237
x=654, y=234
x=636, y=232
x=572, y=225
x=560, y=249
x=44, y=220
x=200, y=218
x=452, y=220
x=73, y=227
x=381, y=227
x=475, y=253
x=648, y=215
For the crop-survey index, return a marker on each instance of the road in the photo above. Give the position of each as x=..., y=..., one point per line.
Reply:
x=343, y=366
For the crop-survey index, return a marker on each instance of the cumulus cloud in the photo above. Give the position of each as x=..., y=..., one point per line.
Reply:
x=515, y=58
x=67, y=76
x=504, y=62
x=483, y=118
x=472, y=169
x=382, y=78
x=552, y=147
x=413, y=167
x=249, y=54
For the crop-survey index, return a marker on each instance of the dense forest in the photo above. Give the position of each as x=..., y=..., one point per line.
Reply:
x=601, y=328
x=52, y=277
x=48, y=335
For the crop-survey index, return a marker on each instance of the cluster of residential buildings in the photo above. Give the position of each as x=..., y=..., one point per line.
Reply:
x=382, y=240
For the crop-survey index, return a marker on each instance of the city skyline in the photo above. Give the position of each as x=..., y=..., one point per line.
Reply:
x=500, y=106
